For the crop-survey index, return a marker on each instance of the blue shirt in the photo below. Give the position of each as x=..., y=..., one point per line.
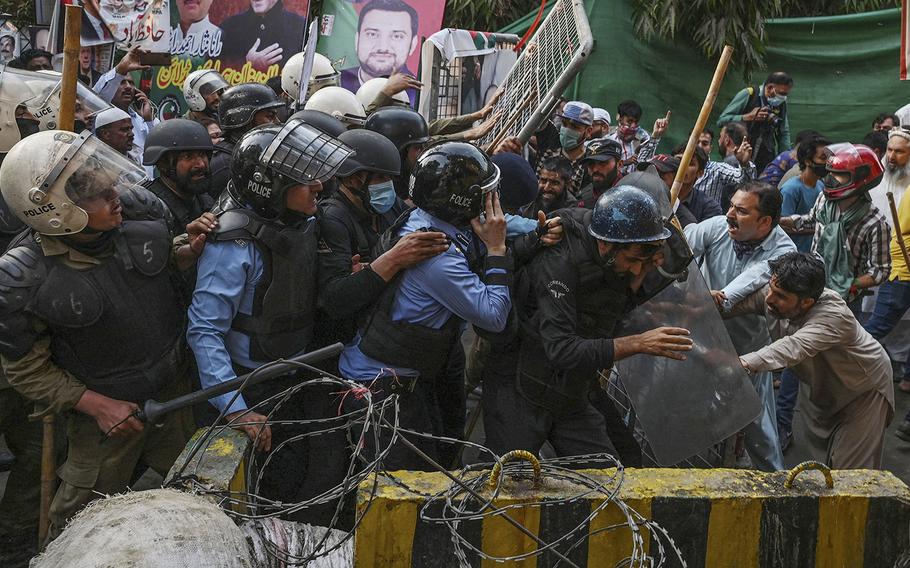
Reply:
x=798, y=200
x=737, y=277
x=429, y=294
x=226, y=277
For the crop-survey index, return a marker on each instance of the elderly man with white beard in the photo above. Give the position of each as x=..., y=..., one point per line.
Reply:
x=897, y=177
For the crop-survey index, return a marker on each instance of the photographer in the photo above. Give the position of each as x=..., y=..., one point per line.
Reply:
x=764, y=110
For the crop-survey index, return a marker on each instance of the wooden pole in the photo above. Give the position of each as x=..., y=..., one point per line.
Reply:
x=65, y=121
x=896, y=223
x=706, y=107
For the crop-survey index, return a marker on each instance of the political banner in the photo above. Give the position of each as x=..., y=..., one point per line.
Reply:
x=376, y=38
x=905, y=45
x=247, y=41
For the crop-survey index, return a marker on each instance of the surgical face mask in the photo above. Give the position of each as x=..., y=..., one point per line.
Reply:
x=569, y=139
x=821, y=170
x=382, y=196
x=777, y=100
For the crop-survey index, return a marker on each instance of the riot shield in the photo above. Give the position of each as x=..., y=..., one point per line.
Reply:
x=685, y=407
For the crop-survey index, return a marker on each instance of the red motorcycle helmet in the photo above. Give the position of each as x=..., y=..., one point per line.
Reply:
x=852, y=169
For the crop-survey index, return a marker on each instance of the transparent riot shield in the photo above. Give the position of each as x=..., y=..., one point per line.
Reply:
x=685, y=407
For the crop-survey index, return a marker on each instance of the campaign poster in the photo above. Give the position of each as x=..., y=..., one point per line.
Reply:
x=9, y=45
x=376, y=38
x=247, y=41
x=125, y=23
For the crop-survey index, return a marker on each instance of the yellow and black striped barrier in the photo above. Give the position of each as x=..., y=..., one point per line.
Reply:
x=717, y=517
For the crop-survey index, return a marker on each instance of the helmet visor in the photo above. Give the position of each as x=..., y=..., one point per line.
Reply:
x=91, y=170
x=210, y=83
x=39, y=93
x=304, y=153
x=840, y=174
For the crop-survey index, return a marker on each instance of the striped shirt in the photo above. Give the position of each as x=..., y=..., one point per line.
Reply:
x=868, y=241
x=641, y=145
x=720, y=180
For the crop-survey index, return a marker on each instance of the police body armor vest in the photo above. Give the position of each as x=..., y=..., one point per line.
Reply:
x=400, y=343
x=284, y=303
x=182, y=213
x=118, y=326
x=602, y=298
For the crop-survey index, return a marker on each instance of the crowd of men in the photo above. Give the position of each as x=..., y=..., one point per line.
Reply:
x=148, y=258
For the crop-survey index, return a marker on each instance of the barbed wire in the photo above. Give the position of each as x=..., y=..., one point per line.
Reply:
x=468, y=499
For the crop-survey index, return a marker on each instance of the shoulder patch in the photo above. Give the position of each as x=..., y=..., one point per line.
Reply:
x=323, y=247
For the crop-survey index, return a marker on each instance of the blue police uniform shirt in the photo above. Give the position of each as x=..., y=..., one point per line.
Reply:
x=226, y=277
x=430, y=293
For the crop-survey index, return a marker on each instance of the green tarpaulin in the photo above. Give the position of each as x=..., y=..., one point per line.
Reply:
x=845, y=70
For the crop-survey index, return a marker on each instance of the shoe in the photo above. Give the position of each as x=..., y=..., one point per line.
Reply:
x=903, y=431
x=785, y=436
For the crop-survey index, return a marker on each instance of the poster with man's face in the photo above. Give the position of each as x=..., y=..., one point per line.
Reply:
x=247, y=41
x=9, y=47
x=376, y=38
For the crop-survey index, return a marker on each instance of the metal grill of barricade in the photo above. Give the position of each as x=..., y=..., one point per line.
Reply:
x=445, y=82
x=719, y=455
x=304, y=153
x=553, y=57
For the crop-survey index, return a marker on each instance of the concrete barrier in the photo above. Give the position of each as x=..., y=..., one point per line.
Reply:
x=717, y=517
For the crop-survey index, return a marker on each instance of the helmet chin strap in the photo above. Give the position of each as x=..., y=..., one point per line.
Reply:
x=363, y=192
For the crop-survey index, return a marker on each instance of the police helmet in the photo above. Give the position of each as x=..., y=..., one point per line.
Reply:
x=240, y=103
x=269, y=159
x=373, y=153
x=450, y=181
x=403, y=126
x=175, y=135
x=626, y=214
x=328, y=124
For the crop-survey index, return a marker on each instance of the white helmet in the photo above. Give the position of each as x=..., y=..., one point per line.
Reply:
x=339, y=103
x=368, y=92
x=46, y=176
x=322, y=75
x=200, y=84
x=39, y=94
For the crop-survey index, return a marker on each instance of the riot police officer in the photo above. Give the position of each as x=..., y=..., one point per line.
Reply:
x=255, y=296
x=180, y=149
x=406, y=342
x=241, y=108
x=571, y=297
x=202, y=91
x=115, y=276
x=350, y=223
x=322, y=74
x=408, y=131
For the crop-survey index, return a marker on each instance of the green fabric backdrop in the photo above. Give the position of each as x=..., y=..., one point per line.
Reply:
x=845, y=71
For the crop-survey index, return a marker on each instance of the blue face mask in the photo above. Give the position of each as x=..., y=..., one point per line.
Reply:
x=777, y=100
x=568, y=138
x=382, y=196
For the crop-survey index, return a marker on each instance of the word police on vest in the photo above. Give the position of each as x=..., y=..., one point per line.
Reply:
x=259, y=189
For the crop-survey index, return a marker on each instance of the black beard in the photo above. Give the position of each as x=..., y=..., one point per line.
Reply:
x=186, y=185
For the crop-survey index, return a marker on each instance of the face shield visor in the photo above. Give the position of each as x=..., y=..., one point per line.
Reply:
x=304, y=154
x=210, y=83
x=88, y=171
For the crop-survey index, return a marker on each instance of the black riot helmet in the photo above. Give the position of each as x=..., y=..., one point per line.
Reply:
x=239, y=104
x=450, y=181
x=175, y=135
x=373, y=153
x=269, y=159
x=402, y=126
x=626, y=214
x=328, y=124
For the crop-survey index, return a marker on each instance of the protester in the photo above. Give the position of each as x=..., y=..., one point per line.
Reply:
x=850, y=233
x=601, y=123
x=734, y=252
x=601, y=160
x=115, y=128
x=800, y=193
x=701, y=205
x=878, y=141
x=637, y=145
x=554, y=178
x=764, y=109
x=785, y=162
x=720, y=179
x=706, y=140
x=885, y=121
x=850, y=397
x=576, y=122
x=117, y=87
